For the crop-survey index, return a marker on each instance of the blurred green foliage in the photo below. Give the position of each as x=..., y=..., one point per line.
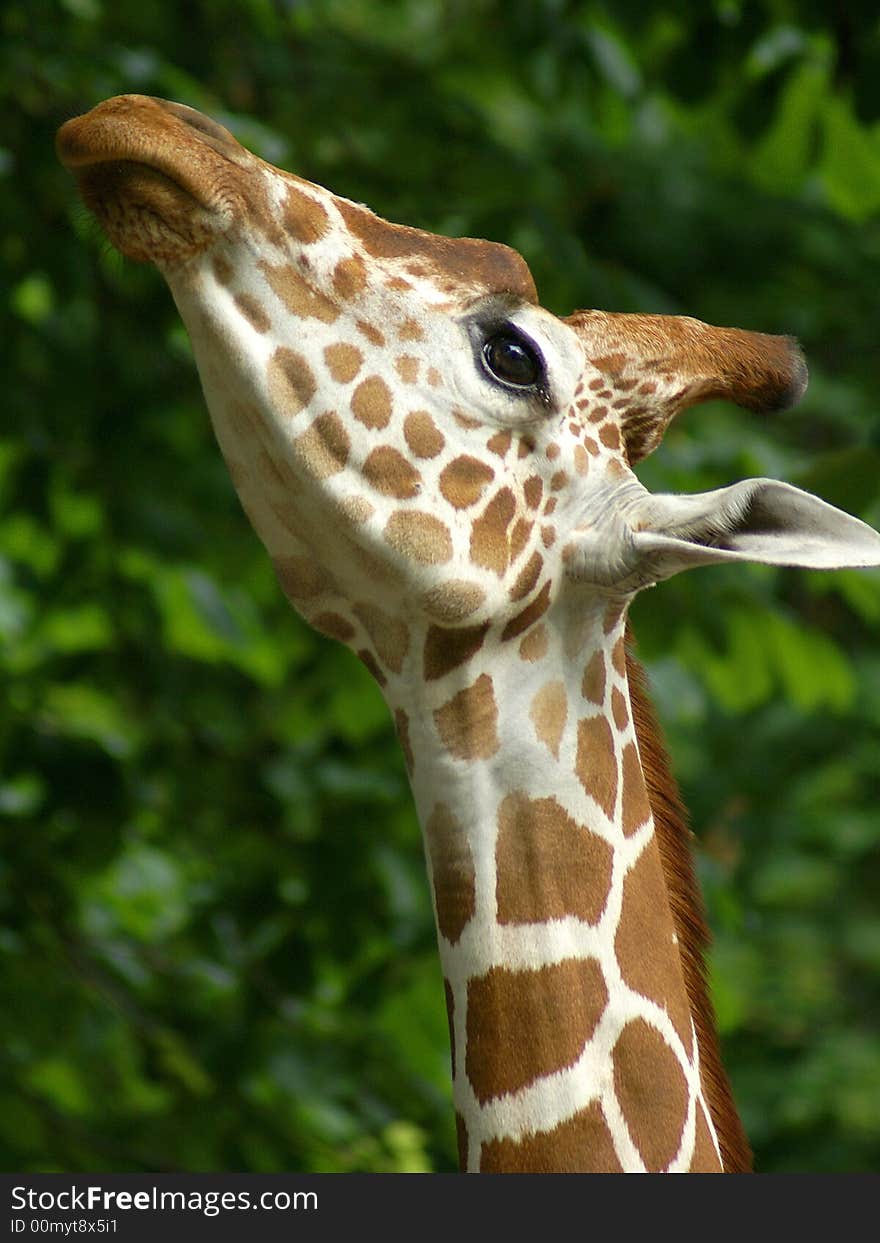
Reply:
x=216, y=949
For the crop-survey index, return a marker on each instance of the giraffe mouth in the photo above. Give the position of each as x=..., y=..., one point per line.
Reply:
x=154, y=174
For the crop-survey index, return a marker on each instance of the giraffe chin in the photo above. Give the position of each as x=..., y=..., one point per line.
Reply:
x=146, y=215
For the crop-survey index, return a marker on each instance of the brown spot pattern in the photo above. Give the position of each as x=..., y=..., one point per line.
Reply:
x=596, y=765
x=407, y=368
x=420, y=537
x=334, y=625
x=349, y=277
x=636, y=807
x=527, y=577
x=593, y=684
x=619, y=710
x=489, y=544
x=649, y=961
x=371, y=402
x=253, y=312
x=651, y=1091
x=422, y=435
x=548, y=865
x=548, y=714
x=301, y=578
x=452, y=872
x=523, y=620
x=533, y=490
x=705, y=1158
x=291, y=383
x=401, y=724
x=304, y=217
x=535, y=644
x=447, y=649
x=499, y=443
x=391, y=473
x=464, y=480
x=324, y=446
x=558, y=1005
x=580, y=1145
x=454, y=600
x=388, y=635
x=468, y=722
x=343, y=361
x=299, y=298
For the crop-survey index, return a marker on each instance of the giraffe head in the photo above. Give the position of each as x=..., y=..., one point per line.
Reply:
x=412, y=435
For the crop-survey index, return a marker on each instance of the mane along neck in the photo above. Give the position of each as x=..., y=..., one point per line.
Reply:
x=674, y=838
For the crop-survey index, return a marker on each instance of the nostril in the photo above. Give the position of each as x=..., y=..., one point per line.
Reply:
x=198, y=121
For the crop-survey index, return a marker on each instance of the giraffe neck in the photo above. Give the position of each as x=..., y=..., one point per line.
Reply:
x=573, y=1042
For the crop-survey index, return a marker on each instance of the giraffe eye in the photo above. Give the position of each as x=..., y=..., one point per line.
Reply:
x=513, y=359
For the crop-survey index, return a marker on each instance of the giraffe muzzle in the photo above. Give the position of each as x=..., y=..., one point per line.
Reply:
x=159, y=176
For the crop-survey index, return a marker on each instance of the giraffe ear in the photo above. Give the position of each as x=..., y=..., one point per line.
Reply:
x=759, y=520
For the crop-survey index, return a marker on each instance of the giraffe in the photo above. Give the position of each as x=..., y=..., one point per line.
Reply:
x=441, y=472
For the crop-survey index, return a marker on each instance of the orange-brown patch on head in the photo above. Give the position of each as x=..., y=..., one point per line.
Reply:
x=558, y=1005
x=648, y=957
x=324, y=446
x=581, y=460
x=610, y=364
x=464, y=479
x=452, y=872
x=596, y=763
x=453, y=600
x=548, y=713
x=581, y=1144
x=371, y=402
x=651, y=1091
x=419, y=536
x=391, y=473
x=548, y=866
x=489, y=541
x=291, y=383
x=530, y=613
x=468, y=722
x=422, y=434
x=299, y=297
x=343, y=361
x=447, y=649
x=464, y=263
